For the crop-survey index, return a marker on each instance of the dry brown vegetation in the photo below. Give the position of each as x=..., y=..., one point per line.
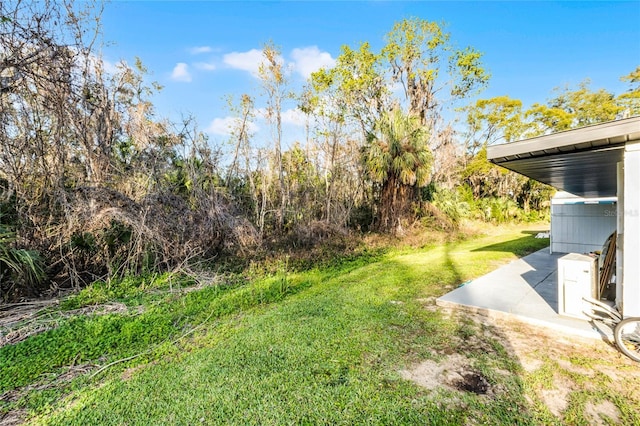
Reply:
x=94, y=185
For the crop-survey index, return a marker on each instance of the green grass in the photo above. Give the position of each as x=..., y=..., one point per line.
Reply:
x=322, y=346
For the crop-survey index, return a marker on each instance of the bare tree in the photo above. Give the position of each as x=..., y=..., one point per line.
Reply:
x=272, y=74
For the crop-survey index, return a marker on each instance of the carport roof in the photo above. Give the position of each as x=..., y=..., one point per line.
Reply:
x=581, y=161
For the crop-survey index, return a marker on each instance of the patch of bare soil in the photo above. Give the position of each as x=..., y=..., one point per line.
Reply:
x=472, y=381
x=558, y=369
x=603, y=413
x=453, y=372
x=556, y=400
x=577, y=364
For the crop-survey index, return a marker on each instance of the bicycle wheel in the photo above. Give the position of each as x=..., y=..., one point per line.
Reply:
x=627, y=336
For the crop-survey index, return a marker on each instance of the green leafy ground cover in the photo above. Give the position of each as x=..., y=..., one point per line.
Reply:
x=321, y=346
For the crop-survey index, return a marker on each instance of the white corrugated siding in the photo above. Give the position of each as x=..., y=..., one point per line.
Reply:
x=581, y=228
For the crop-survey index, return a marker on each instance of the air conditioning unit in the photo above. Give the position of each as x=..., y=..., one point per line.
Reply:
x=577, y=278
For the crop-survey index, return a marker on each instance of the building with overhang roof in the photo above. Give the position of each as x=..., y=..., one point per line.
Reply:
x=597, y=161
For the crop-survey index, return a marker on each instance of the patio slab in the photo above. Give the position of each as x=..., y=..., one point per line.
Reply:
x=526, y=290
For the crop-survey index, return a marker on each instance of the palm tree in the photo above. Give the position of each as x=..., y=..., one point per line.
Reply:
x=398, y=158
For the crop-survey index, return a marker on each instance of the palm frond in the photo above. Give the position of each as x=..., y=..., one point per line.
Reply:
x=22, y=265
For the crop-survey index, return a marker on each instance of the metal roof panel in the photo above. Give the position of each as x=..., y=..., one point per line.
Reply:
x=581, y=161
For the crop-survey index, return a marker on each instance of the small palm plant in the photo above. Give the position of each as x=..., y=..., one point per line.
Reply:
x=18, y=266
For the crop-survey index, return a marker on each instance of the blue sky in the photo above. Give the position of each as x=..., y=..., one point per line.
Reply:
x=203, y=51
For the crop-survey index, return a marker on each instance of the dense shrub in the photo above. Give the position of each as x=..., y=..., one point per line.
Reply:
x=460, y=203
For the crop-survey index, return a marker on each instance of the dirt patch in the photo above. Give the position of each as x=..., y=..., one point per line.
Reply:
x=426, y=374
x=556, y=365
x=577, y=369
x=531, y=363
x=602, y=413
x=453, y=372
x=472, y=381
x=556, y=400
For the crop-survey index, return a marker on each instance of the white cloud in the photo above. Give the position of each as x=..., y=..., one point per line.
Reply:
x=260, y=112
x=205, y=66
x=247, y=61
x=311, y=59
x=95, y=62
x=110, y=67
x=294, y=117
x=181, y=72
x=200, y=49
x=223, y=126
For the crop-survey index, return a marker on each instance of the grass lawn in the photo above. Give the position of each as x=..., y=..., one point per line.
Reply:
x=322, y=346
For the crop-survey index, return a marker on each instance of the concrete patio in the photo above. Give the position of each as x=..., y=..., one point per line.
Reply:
x=525, y=290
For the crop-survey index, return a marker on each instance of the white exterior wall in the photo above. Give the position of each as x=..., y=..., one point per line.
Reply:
x=620, y=238
x=631, y=232
x=581, y=228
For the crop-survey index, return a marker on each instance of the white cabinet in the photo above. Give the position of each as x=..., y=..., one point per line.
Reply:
x=577, y=278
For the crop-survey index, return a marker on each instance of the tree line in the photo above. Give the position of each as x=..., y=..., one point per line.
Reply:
x=93, y=185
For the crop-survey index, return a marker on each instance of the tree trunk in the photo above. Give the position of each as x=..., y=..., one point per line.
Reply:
x=395, y=204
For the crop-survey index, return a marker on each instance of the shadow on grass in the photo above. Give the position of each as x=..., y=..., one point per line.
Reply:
x=449, y=265
x=518, y=246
